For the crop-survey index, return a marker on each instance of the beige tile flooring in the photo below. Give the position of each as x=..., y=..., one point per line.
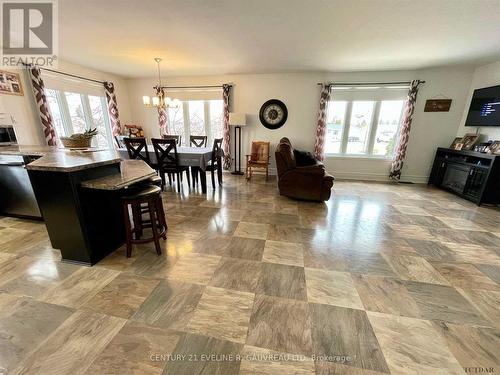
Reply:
x=382, y=278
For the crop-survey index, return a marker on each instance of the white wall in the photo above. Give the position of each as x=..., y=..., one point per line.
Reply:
x=22, y=108
x=301, y=94
x=484, y=76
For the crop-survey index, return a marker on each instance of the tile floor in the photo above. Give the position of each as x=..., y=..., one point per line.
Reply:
x=383, y=278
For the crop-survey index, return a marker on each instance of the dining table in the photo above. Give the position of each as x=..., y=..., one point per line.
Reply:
x=194, y=157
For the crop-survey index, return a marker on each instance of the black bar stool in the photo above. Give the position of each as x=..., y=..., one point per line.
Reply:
x=144, y=200
x=156, y=181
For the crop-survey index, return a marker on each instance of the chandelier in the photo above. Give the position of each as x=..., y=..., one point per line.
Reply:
x=160, y=100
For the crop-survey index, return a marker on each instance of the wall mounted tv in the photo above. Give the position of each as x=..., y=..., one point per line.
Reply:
x=485, y=107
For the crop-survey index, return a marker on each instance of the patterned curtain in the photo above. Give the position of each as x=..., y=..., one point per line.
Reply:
x=162, y=115
x=112, y=108
x=226, y=89
x=324, y=99
x=42, y=105
x=404, y=132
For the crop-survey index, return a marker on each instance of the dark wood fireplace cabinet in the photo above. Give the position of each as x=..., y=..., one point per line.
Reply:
x=472, y=175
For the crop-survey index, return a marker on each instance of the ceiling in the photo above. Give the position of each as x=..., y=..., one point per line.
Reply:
x=262, y=36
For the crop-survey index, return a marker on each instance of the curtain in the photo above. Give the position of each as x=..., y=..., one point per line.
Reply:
x=162, y=115
x=42, y=105
x=226, y=90
x=324, y=99
x=404, y=132
x=116, y=127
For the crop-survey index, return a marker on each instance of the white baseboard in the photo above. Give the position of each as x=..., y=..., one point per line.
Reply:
x=359, y=176
x=272, y=171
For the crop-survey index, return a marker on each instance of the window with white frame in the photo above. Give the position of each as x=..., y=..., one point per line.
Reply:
x=197, y=117
x=363, y=121
x=74, y=112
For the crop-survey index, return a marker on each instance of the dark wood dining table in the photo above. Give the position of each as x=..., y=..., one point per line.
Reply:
x=194, y=157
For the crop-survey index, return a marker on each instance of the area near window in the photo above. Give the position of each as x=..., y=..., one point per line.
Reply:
x=74, y=113
x=196, y=117
x=364, y=122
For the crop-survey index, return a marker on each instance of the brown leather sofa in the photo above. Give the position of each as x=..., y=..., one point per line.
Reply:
x=309, y=183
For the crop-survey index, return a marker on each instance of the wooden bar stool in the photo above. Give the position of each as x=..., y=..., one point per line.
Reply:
x=144, y=209
x=144, y=200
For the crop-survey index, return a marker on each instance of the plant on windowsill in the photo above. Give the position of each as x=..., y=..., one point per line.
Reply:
x=79, y=140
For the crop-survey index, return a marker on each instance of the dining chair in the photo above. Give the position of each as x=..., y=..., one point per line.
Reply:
x=216, y=162
x=168, y=160
x=259, y=158
x=119, y=141
x=137, y=148
x=198, y=140
x=177, y=138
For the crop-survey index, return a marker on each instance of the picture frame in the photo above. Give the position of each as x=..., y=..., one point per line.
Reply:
x=437, y=105
x=457, y=144
x=482, y=147
x=469, y=140
x=10, y=83
x=494, y=148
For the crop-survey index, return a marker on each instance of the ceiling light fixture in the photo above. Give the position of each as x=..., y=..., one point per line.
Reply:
x=160, y=100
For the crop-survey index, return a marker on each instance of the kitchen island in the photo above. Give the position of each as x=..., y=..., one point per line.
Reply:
x=79, y=195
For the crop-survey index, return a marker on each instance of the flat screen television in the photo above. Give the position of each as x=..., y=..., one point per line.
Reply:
x=485, y=107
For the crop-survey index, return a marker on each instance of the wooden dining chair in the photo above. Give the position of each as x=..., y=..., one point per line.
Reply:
x=198, y=140
x=259, y=158
x=216, y=162
x=119, y=141
x=176, y=137
x=137, y=148
x=168, y=160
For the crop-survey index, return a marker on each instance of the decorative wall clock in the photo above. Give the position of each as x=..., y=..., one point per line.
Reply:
x=273, y=114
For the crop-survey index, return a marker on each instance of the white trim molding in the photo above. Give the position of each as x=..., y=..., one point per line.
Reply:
x=383, y=177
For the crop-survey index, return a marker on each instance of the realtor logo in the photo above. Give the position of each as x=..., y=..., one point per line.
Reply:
x=29, y=32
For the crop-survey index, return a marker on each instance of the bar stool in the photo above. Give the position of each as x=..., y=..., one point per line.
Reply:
x=144, y=199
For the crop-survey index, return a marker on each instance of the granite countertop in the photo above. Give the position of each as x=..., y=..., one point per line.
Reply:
x=54, y=159
x=131, y=172
x=28, y=150
x=70, y=161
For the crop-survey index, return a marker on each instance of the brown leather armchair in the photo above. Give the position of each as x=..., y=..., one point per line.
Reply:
x=309, y=183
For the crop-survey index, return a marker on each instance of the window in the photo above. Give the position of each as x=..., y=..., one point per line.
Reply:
x=367, y=126
x=196, y=117
x=387, y=127
x=335, y=127
x=176, y=120
x=196, y=110
x=74, y=113
x=361, y=118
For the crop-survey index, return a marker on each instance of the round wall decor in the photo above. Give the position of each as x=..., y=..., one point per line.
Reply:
x=273, y=114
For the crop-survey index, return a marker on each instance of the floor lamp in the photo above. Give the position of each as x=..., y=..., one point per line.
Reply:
x=237, y=120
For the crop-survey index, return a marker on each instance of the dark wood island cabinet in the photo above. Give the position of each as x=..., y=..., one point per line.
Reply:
x=79, y=195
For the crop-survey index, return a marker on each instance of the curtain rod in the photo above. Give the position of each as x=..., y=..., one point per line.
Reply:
x=72, y=75
x=191, y=87
x=368, y=83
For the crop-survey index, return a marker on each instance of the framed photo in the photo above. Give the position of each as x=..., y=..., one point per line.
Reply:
x=10, y=83
x=482, y=147
x=469, y=140
x=457, y=144
x=495, y=148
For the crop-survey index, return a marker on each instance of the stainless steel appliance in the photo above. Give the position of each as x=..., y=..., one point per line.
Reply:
x=7, y=135
x=16, y=194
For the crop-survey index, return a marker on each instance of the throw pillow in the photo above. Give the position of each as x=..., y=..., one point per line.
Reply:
x=304, y=158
